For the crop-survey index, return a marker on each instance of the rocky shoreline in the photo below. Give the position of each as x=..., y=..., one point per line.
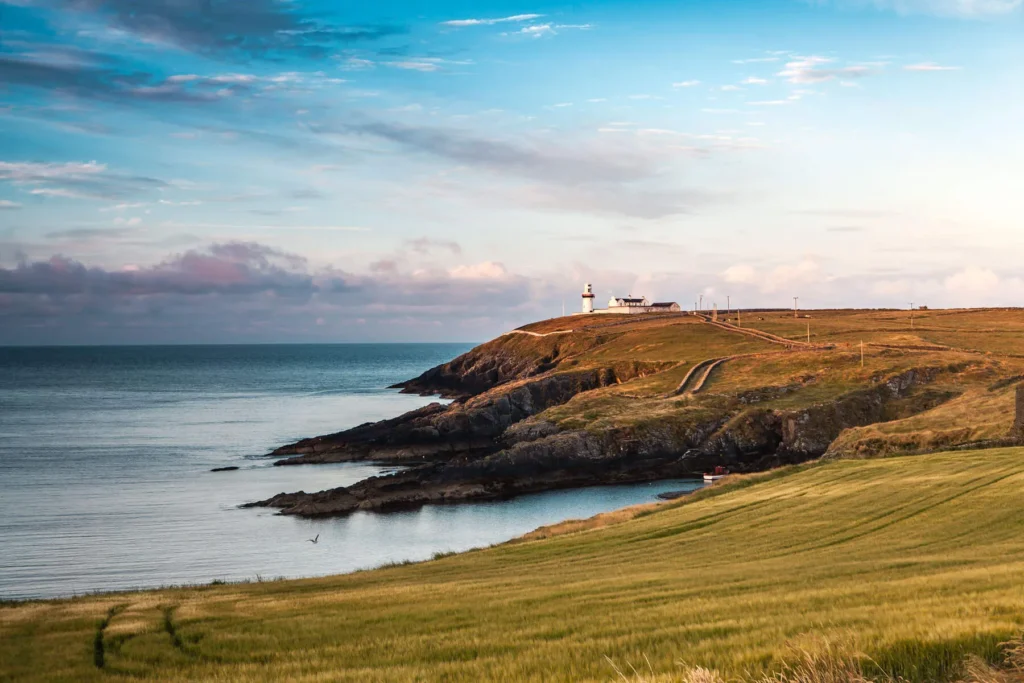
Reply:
x=489, y=445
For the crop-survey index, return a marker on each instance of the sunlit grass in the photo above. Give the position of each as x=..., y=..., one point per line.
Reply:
x=914, y=561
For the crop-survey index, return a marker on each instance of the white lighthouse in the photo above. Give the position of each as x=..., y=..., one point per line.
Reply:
x=588, y=298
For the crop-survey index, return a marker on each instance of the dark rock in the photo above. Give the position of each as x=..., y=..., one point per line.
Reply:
x=224, y=469
x=487, y=447
x=675, y=495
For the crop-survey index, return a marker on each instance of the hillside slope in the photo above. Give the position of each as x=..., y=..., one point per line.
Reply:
x=913, y=560
x=606, y=399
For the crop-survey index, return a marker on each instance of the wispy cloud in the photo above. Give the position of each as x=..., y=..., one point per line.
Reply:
x=537, y=30
x=426, y=64
x=755, y=60
x=754, y=80
x=541, y=30
x=946, y=8
x=930, y=66
x=589, y=175
x=255, y=28
x=425, y=245
x=686, y=84
x=490, y=22
x=75, y=180
x=107, y=78
x=8, y=205
x=816, y=70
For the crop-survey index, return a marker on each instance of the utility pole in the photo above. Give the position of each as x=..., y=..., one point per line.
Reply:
x=728, y=305
x=796, y=306
x=911, y=315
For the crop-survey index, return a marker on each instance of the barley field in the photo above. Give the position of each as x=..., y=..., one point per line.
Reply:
x=914, y=562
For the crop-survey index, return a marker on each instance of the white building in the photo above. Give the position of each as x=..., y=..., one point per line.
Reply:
x=626, y=305
x=588, y=298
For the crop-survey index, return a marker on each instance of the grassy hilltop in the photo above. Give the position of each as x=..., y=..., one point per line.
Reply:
x=916, y=561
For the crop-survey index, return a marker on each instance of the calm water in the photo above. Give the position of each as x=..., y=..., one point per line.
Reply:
x=105, y=456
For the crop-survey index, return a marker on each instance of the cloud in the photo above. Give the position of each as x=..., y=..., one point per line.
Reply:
x=686, y=84
x=425, y=245
x=90, y=233
x=537, y=30
x=541, y=30
x=251, y=28
x=972, y=280
x=588, y=176
x=459, y=23
x=425, y=64
x=81, y=180
x=232, y=268
x=488, y=270
x=848, y=213
x=115, y=81
x=567, y=165
x=946, y=8
x=787, y=276
x=755, y=60
x=625, y=200
x=806, y=272
x=753, y=80
x=807, y=70
x=8, y=205
x=249, y=291
x=930, y=66
x=740, y=274
x=415, y=66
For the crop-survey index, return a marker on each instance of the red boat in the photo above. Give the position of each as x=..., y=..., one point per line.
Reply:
x=719, y=473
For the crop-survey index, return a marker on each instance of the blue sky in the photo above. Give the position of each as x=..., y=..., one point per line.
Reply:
x=271, y=170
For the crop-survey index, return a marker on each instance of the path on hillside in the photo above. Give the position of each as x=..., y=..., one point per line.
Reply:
x=759, y=334
x=537, y=334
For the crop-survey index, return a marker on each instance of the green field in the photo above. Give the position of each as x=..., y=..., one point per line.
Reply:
x=915, y=561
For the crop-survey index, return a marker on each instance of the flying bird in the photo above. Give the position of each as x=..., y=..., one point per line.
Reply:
x=314, y=541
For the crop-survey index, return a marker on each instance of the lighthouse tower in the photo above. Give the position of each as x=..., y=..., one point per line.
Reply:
x=588, y=298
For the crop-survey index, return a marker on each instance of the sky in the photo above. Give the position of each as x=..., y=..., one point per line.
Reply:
x=246, y=171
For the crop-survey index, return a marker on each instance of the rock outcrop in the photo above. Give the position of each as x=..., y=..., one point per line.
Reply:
x=469, y=427
x=489, y=365
x=490, y=446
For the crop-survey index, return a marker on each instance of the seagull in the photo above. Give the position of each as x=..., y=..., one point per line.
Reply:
x=314, y=541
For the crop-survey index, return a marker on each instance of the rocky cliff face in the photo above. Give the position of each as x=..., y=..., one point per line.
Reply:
x=488, y=447
x=468, y=427
x=489, y=365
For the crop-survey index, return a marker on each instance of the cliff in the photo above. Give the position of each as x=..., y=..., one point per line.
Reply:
x=600, y=404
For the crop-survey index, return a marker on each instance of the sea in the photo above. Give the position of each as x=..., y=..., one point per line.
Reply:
x=106, y=456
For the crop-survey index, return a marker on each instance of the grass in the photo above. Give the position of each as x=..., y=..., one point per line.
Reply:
x=914, y=562
x=972, y=351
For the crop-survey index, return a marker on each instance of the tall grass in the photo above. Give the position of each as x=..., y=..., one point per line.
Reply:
x=916, y=562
